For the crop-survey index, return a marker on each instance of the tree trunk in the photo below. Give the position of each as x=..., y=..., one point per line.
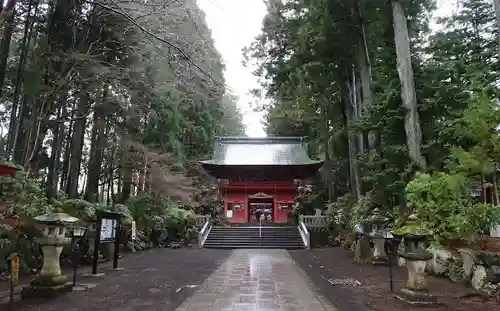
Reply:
x=21, y=133
x=5, y=47
x=348, y=108
x=365, y=74
x=32, y=131
x=328, y=160
x=358, y=106
x=96, y=151
x=126, y=174
x=6, y=12
x=16, y=122
x=77, y=145
x=55, y=153
x=38, y=132
x=67, y=154
x=496, y=5
x=328, y=169
x=408, y=93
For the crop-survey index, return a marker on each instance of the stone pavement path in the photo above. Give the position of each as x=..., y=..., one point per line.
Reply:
x=257, y=280
x=155, y=280
x=161, y=280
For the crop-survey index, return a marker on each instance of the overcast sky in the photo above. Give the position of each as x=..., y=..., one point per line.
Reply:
x=234, y=25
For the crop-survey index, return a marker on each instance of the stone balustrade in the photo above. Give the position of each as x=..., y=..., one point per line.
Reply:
x=314, y=221
x=201, y=220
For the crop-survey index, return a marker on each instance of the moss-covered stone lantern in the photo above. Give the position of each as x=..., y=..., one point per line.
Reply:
x=362, y=249
x=378, y=223
x=415, y=239
x=51, y=281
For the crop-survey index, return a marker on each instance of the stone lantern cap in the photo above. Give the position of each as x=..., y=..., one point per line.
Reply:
x=57, y=219
x=412, y=227
x=377, y=217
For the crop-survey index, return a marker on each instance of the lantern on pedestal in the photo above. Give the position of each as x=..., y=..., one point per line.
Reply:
x=362, y=248
x=415, y=242
x=378, y=223
x=51, y=281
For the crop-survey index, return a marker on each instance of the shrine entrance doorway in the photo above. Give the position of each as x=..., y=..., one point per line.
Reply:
x=259, y=205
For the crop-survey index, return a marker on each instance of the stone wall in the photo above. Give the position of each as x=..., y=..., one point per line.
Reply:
x=480, y=269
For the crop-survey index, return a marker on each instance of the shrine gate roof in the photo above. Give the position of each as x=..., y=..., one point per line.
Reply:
x=260, y=151
x=274, y=154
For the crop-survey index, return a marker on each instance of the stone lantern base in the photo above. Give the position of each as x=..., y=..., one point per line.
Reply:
x=379, y=257
x=47, y=287
x=416, y=291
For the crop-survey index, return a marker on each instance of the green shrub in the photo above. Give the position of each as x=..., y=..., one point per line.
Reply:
x=443, y=203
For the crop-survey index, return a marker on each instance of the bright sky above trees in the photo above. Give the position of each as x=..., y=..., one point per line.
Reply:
x=234, y=24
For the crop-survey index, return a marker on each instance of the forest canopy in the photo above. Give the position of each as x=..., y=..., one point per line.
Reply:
x=106, y=100
x=381, y=96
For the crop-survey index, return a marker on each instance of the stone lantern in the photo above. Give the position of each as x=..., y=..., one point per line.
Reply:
x=414, y=251
x=51, y=281
x=362, y=249
x=378, y=223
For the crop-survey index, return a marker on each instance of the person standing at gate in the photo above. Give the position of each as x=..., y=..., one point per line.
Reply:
x=257, y=214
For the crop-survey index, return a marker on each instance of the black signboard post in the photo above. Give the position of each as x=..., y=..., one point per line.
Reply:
x=392, y=244
x=76, y=237
x=107, y=231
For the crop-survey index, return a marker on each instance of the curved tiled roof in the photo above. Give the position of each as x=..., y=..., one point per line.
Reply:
x=269, y=151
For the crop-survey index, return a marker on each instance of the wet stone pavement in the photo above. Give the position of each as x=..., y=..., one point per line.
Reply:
x=193, y=280
x=257, y=280
x=155, y=280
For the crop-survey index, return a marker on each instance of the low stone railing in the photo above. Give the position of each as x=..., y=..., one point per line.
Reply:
x=205, y=230
x=314, y=221
x=305, y=234
x=201, y=220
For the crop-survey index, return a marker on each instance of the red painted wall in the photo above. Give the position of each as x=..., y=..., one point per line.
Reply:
x=235, y=196
x=239, y=215
x=281, y=215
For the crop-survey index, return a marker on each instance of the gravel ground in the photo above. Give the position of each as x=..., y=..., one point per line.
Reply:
x=374, y=292
x=159, y=279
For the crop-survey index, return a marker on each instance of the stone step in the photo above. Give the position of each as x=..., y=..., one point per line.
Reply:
x=253, y=241
x=285, y=234
x=282, y=237
x=251, y=245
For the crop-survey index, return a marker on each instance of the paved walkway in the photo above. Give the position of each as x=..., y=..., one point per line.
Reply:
x=211, y=280
x=155, y=280
x=257, y=280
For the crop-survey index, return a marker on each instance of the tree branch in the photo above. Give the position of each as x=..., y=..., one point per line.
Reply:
x=119, y=10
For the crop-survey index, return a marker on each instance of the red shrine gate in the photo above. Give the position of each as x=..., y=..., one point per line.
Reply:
x=257, y=175
x=243, y=200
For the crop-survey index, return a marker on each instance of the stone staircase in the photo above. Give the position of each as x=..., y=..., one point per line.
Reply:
x=280, y=237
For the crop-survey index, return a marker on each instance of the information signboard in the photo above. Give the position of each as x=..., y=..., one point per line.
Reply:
x=108, y=229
